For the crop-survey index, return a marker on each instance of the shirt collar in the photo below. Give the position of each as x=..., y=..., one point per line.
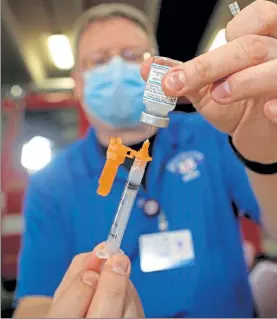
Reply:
x=95, y=158
x=175, y=135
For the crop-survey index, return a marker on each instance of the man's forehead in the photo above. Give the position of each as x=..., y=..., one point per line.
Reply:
x=112, y=31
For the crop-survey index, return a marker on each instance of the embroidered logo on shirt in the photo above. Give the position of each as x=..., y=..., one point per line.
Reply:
x=186, y=164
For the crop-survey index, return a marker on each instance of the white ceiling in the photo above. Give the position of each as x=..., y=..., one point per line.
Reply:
x=29, y=22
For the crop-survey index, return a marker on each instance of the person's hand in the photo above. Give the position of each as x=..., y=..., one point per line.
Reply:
x=85, y=292
x=249, y=253
x=235, y=86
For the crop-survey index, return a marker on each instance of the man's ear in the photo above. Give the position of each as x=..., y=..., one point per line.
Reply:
x=79, y=84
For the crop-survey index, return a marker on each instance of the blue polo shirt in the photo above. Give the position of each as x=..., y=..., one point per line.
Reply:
x=194, y=176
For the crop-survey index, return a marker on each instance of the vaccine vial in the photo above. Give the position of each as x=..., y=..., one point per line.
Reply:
x=158, y=105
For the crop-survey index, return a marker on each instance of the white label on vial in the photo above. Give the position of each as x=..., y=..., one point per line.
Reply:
x=153, y=90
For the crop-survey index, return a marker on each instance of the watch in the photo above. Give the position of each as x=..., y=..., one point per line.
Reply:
x=259, y=168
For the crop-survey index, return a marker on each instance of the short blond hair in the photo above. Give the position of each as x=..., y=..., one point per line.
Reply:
x=105, y=11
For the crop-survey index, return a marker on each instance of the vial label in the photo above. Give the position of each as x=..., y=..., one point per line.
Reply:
x=153, y=90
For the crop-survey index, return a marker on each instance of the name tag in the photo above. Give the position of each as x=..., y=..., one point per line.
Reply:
x=166, y=250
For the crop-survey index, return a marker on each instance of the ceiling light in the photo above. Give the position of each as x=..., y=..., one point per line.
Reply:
x=36, y=154
x=60, y=51
x=16, y=91
x=219, y=40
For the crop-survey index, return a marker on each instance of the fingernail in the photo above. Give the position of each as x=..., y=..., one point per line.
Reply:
x=176, y=80
x=89, y=278
x=120, y=264
x=170, y=61
x=221, y=90
x=91, y=255
x=273, y=108
x=99, y=247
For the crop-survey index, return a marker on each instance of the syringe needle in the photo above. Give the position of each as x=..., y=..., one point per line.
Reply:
x=150, y=131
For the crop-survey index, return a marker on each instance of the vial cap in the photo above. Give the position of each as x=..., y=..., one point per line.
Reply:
x=154, y=120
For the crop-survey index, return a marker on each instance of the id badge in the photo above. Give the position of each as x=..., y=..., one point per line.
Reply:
x=166, y=250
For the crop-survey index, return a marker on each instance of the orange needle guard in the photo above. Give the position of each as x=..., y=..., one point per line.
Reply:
x=116, y=154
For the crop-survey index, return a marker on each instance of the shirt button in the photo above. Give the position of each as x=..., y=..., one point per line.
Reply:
x=151, y=207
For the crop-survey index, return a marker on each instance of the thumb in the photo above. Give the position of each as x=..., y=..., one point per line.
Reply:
x=75, y=301
x=146, y=66
x=270, y=110
x=110, y=296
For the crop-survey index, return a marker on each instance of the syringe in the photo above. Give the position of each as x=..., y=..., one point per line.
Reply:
x=112, y=245
x=234, y=8
x=150, y=128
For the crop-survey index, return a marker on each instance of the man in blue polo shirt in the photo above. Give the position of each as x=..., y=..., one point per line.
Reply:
x=188, y=189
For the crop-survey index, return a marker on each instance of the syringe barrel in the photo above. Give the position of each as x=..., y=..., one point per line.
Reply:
x=125, y=206
x=116, y=234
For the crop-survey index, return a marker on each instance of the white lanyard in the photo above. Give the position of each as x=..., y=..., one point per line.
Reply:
x=162, y=222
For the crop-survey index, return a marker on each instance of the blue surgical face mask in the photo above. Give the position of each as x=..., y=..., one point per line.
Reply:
x=113, y=93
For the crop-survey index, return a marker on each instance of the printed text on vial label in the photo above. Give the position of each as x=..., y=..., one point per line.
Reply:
x=153, y=91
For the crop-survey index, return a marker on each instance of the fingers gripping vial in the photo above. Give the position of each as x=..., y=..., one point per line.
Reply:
x=115, y=157
x=158, y=105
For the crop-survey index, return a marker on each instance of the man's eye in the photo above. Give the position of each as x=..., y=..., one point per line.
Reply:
x=100, y=61
x=131, y=57
x=88, y=64
x=129, y=54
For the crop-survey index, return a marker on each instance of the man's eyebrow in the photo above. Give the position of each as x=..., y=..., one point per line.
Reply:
x=94, y=52
x=136, y=47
